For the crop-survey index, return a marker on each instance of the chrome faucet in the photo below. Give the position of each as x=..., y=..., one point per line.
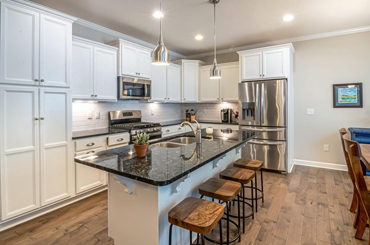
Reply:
x=197, y=132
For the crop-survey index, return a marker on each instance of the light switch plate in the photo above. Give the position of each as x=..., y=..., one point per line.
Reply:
x=310, y=111
x=326, y=147
x=90, y=115
x=97, y=115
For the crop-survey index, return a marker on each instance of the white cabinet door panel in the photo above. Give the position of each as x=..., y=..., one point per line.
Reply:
x=55, y=51
x=158, y=86
x=19, y=151
x=229, y=83
x=274, y=63
x=129, y=61
x=251, y=66
x=105, y=78
x=173, y=83
x=55, y=108
x=19, y=45
x=144, y=63
x=190, y=82
x=82, y=86
x=209, y=88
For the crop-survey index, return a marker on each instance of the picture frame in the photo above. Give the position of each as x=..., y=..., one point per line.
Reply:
x=347, y=95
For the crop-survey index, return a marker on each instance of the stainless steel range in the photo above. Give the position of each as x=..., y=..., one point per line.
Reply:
x=131, y=120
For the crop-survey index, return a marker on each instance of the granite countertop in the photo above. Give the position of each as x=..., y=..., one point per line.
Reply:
x=96, y=132
x=177, y=122
x=163, y=166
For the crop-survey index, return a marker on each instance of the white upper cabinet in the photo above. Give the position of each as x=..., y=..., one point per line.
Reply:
x=229, y=82
x=251, y=66
x=173, y=83
x=105, y=70
x=133, y=60
x=35, y=48
x=166, y=83
x=55, y=141
x=19, y=45
x=190, y=80
x=265, y=63
x=220, y=90
x=209, y=88
x=19, y=151
x=94, y=72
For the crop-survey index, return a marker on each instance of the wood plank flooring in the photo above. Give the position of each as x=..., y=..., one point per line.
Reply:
x=308, y=206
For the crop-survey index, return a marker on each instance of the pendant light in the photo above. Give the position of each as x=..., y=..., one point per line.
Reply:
x=215, y=72
x=160, y=53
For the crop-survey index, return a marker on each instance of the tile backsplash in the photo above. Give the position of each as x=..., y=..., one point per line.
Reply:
x=151, y=112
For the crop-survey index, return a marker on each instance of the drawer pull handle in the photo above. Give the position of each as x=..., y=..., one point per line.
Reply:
x=167, y=130
x=179, y=128
x=90, y=152
x=90, y=144
x=120, y=139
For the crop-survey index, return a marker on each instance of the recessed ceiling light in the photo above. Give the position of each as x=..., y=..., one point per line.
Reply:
x=158, y=14
x=199, y=37
x=288, y=17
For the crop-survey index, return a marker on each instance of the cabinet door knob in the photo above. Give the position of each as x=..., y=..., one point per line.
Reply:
x=184, y=98
x=41, y=118
x=90, y=152
x=167, y=130
x=42, y=80
x=179, y=128
x=36, y=80
x=92, y=95
x=36, y=119
x=90, y=144
x=96, y=96
x=120, y=139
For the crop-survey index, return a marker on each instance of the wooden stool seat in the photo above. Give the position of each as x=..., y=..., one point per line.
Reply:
x=196, y=215
x=243, y=176
x=251, y=164
x=220, y=189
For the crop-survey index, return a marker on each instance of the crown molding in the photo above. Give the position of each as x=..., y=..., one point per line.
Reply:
x=120, y=35
x=283, y=41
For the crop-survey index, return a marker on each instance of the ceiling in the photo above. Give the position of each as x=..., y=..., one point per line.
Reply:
x=239, y=22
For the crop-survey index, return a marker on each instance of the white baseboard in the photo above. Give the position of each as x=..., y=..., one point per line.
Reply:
x=326, y=165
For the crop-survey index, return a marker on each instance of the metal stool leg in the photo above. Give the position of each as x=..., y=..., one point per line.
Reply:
x=227, y=224
x=191, y=237
x=252, y=198
x=221, y=239
x=255, y=176
x=263, y=195
x=203, y=243
x=239, y=215
x=197, y=238
x=170, y=241
x=244, y=208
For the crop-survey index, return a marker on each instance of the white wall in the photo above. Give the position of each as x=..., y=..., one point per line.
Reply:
x=319, y=64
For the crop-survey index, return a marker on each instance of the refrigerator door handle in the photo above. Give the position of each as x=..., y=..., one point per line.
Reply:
x=264, y=143
x=257, y=105
x=263, y=103
x=264, y=130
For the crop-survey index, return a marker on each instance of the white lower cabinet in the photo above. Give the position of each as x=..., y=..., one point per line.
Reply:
x=173, y=130
x=35, y=161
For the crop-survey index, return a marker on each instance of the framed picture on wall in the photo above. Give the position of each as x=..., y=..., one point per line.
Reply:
x=347, y=95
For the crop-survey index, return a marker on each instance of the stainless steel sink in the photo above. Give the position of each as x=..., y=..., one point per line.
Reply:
x=183, y=140
x=167, y=145
x=177, y=142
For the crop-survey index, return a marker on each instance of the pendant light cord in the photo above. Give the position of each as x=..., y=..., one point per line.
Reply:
x=160, y=22
x=214, y=28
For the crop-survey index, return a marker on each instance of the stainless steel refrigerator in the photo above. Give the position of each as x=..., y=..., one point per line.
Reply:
x=263, y=108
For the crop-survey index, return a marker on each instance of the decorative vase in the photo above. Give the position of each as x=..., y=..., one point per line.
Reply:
x=192, y=118
x=141, y=150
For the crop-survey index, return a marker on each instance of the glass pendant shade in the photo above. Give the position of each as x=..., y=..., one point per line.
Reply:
x=160, y=53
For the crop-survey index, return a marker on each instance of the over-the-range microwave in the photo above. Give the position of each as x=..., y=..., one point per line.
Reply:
x=133, y=88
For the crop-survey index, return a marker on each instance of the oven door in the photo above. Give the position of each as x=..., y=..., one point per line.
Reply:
x=132, y=88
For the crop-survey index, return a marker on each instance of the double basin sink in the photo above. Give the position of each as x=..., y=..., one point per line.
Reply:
x=177, y=142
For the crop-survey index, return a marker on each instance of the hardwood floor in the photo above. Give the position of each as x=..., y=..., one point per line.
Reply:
x=308, y=206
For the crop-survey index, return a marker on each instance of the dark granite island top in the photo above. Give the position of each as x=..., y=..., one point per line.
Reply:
x=163, y=166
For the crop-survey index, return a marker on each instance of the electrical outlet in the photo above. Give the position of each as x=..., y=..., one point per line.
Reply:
x=90, y=115
x=97, y=115
x=310, y=111
x=326, y=147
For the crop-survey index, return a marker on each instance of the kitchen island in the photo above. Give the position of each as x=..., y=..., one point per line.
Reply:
x=141, y=191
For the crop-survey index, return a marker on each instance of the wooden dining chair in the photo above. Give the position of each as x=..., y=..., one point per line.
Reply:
x=354, y=203
x=361, y=188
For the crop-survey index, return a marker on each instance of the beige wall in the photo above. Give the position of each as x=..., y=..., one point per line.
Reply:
x=317, y=65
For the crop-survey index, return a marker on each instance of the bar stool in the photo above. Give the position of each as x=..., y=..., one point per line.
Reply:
x=225, y=191
x=196, y=215
x=255, y=165
x=243, y=176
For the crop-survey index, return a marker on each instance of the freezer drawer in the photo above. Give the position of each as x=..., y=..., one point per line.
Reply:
x=268, y=133
x=272, y=153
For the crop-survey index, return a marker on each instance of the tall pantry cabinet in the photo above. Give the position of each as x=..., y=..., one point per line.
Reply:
x=36, y=162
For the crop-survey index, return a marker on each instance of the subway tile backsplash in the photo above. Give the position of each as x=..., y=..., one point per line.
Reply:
x=151, y=112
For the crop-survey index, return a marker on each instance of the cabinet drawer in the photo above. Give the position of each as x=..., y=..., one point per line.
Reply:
x=176, y=129
x=118, y=139
x=89, y=152
x=89, y=143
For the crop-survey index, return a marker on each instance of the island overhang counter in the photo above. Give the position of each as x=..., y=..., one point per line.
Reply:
x=141, y=191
